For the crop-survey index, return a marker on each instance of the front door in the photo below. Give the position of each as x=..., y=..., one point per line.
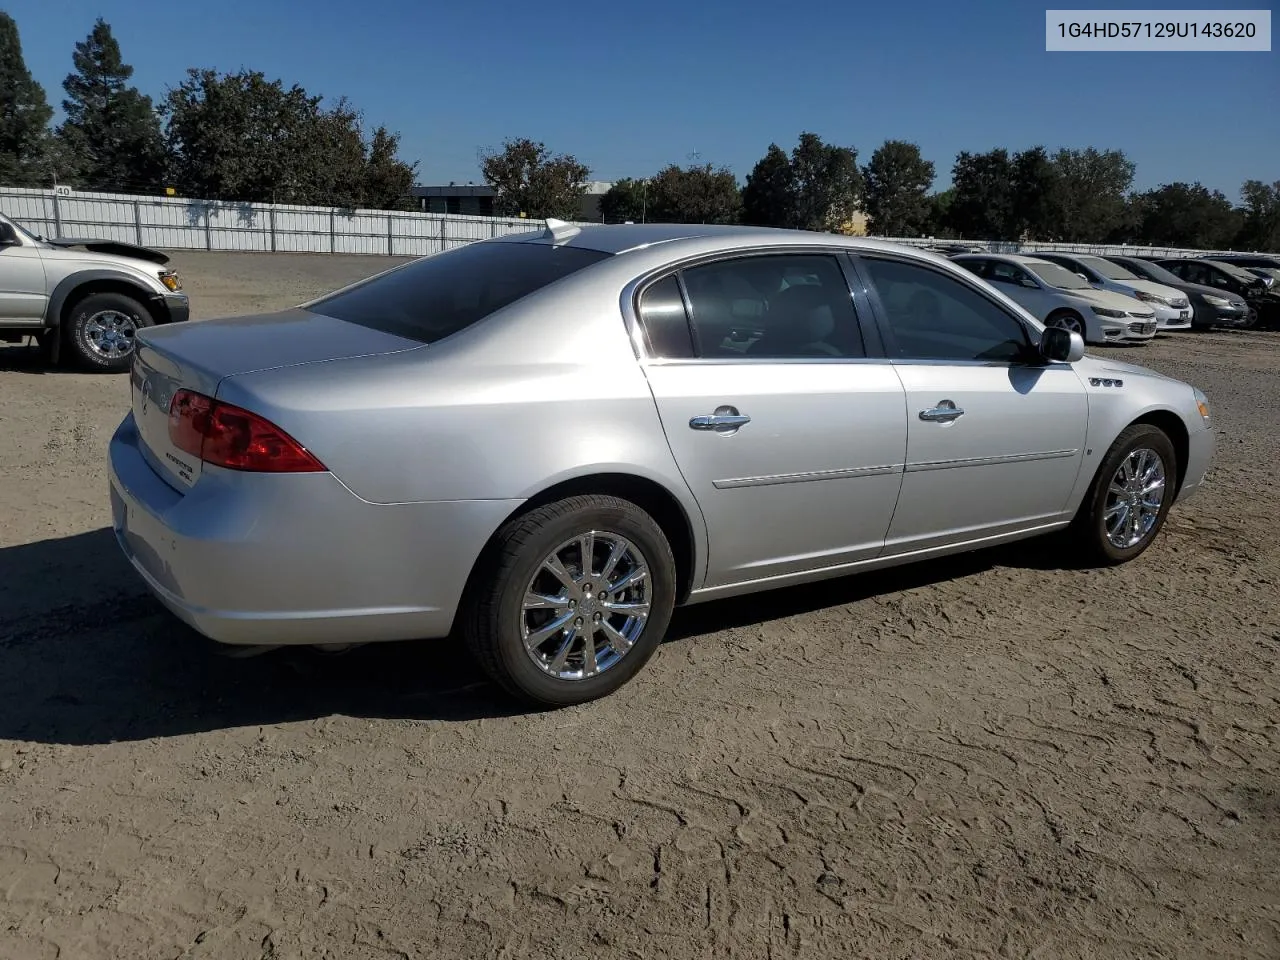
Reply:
x=790, y=439
x=994, y=442
x=22, y=286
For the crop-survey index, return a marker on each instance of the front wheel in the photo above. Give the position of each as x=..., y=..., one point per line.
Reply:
x=572, y=600
x=1067, y=320
x=101, y=331
x=1130, y=497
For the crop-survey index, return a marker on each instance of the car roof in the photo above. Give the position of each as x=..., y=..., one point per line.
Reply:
x=1007, y=257
x=617, y=238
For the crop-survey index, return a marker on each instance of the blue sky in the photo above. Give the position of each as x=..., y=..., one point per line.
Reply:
x=630, y=88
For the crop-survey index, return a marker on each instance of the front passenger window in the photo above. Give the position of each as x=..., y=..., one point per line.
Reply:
x=934, y=317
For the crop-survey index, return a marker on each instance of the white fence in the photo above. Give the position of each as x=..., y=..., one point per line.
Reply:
x=175, y=223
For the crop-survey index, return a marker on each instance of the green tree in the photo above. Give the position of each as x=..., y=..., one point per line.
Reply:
x=983, y=198
x=1189, y=215
x=1035, y=183
x=111, y=137
x=938, y=223
x=1090, y=192
x=1261, y=227
x=625, y=200
x=827, y=183
x=769, y=197
x=243, y=137
x=387, y=179
x=529, y=179
x=897, y=182
x=694, y=194
x=24, y=116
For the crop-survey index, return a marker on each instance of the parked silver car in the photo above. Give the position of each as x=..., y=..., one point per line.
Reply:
x=87, y=296
x=1058, y=298
x=1173, y=310
x=542, y=443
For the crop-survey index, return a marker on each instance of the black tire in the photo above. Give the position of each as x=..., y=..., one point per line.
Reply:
x=493, y=611
x=80, y=321
x=1066, y=317
x=1089, y=530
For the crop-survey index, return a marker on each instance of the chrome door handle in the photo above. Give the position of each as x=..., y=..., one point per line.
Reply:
x=725, y=418
x=944, y=412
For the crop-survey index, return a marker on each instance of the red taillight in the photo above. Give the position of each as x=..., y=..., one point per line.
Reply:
x=231, y=437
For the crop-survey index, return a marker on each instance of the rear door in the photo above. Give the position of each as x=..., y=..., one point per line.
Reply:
x=994, y=443
x=791, y=440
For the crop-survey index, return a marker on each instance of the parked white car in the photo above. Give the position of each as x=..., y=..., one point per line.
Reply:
x=1173, y=309
x=1059, y=298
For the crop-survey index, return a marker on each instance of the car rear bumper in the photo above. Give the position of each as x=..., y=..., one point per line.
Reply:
x=293, y=559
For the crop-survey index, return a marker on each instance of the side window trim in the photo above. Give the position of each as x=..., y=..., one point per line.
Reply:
x=886, y=332
x=873, y=343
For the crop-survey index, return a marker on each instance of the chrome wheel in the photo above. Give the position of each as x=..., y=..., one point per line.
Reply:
x=586, y=606
x=109, y=333
x=1134, y=498
x=1073, y=324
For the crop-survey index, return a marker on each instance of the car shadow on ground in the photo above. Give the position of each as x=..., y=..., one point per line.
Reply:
x=87, y=657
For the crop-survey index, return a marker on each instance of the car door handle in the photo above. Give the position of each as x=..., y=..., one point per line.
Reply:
x=944, y=412
x=720, y=421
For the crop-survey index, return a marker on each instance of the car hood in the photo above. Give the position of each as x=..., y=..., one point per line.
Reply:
x=1092, y=366
x=1110, y=300
x=1151, y=287
x=1204, y=290
x=130, y=251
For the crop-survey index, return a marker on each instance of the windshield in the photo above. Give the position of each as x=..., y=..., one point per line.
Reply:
x=27, y=234
x=437, y=296
x=1112, y=271
x=1158, y=274
x=1057, y=276
x=1240, y=273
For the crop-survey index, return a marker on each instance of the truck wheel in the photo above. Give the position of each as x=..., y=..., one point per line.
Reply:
x=100, y=331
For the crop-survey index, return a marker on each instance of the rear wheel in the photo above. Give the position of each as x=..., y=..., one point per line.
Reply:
x=101, y=329
x=1130, y=497
x=572, y=600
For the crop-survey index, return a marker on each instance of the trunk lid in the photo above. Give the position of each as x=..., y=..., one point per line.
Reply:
x=199, y=355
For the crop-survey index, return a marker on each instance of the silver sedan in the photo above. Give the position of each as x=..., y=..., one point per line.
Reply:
x=541, y=444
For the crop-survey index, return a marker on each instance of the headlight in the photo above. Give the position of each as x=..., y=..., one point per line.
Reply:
x=1108, y=312
x=1216, y=301
x=1202, y=404
x=171, y=280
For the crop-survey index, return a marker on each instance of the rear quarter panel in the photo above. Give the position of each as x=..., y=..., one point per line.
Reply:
x=545, y=391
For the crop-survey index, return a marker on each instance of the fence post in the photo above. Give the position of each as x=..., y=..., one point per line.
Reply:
x=390, y=229
x=333, y=244
x=208, y=231
x=444, y=219
x=137, y=222
x=57, y=215
x=271, y=222
x=493, y=228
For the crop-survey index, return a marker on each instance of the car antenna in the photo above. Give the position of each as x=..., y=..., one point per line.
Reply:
x=558, y=231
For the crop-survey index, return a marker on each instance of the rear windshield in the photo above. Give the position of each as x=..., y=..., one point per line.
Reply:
x=432, y=298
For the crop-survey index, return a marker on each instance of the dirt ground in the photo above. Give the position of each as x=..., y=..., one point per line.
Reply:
x=987, y=756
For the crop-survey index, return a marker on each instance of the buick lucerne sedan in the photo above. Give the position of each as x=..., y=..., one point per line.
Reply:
x=542, y=443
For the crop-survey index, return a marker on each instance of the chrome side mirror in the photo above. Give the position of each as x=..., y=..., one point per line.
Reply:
x=1061, y=346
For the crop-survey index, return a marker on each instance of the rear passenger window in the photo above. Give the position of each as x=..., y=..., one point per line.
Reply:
x=773, y=307
x=665, y=323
